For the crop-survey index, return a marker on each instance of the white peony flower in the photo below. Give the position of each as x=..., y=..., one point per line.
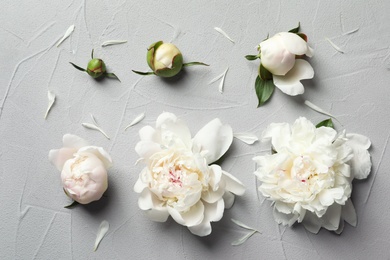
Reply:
x=178, y=179
x=278, y=56
x=83, y=168
x=309, y=177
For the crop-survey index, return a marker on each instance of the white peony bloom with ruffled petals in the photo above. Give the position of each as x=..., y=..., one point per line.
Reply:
x=309, y=177
x=178, y=180
x=83, y=168
x=278, y=56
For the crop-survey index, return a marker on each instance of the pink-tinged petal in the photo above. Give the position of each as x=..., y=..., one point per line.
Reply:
x=169, y=124
x=203, y=229
x=348, y=213
x=145, y=200
x=214, y=211
x=158, y=215
x=232, y=184
x=73, y=141
x=145, y=149
x=279, y=133
x=312, y=223
x=290, y=83
x=228, y=198
x=98, y=152
x=194, y=216
x=361, y=160
x=214, y=139
x=284, y=219
x=58, y=157
x=293, y=43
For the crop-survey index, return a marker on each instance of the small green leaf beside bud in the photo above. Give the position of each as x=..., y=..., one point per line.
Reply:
x=96, y=69
x=165, y=60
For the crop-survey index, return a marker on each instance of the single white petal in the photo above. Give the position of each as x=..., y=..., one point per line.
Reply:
x=145, y=149
x=337, y=48
x=194, y=216
x=240, y=224
x=317, y=108
x=284, y=219
x=247, y=138
x=136, y=120
x=310, y=52
x=158, y=215
x=361, y=160
x=282, y=207
x=203, y=229
x=221, y=84
x=73, y=141
x=312, y=223
x=145, y=200
x=331, y=219
x=52, y=98
x=112, y=42
x=103, y=228
x=214, y=139
x=66, y=35
x=279, y=133
x=348, y=213
x=214, y=211
x=233, y=184
x=293, y=43
x=139, y=185
x=169, y=123
x=328, y=196
x=223, y=33
x=58, y=157
x=94, y=127
x=290, y=83
x=102, y=154
x=243, y=239
x=148, y=133
x=351, y=31
x=228, y=197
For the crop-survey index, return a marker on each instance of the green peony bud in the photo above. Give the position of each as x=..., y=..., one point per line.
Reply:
x=96, y=68
x=165, y=60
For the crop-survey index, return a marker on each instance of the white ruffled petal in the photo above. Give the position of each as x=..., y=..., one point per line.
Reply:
x=290, y=83
x=158, y=215
x=190, y=218
x=293, y=43
x=145, y=149
x=361, y=160
x=279, y=133
x=169, y=123
x=233, y=184
x=214, y=139
x=148, y=133
x=214, y=211
x=203, y=229
x=145, y=200
x=100, y=153
x=284, y=219
x=228, y=198
x=73, y=141
x=331, y=220
x=348, y=213
x=312, y=223
x=58, y=157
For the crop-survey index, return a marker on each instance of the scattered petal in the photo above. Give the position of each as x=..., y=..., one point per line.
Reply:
x=220, y=88
x=243, y=239
x=351, y=31
x=136, y=120
x=103, y=228
x=223, y=33
x=66, y=35
x=337, y=48
x=239, y=223
x=52, y=99
x=318, y=109
x=247, y=138
x=94, y=127
x=94, y=120
x=113, y=42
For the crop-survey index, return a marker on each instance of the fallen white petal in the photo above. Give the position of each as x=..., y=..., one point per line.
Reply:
x=52, y=99
x=318, y=109
x=351, y=31
x=94, y=120
x=337, y=48
x=239, y=223
x=223, y=33
x=94, y=127
x=113, y=42
x=243, y=239
x=215, y=79
x=66, y=35
x=136, y=120
x=103, y=228
x=220, y=88
x=247, y=138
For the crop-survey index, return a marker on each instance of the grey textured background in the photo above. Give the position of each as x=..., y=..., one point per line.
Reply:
x=353, y=86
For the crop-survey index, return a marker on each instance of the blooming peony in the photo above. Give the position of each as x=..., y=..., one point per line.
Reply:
x=178, y=180
x=278, y=56
x=83, y=168
x=309, y=177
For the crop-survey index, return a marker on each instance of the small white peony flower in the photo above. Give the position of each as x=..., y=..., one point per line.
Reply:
x=178, y=179
x=309, y=177
x=278, y=56
x=83, y=168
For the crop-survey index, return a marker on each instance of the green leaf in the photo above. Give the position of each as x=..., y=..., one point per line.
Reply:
x=296, y=29
x=143, y=73
x=113, y=76
x=326, y=123
x=264, y=73
x=74, y=203
x=194, y=63
x=251, y=57
x=77, y=67
x=264, y=90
